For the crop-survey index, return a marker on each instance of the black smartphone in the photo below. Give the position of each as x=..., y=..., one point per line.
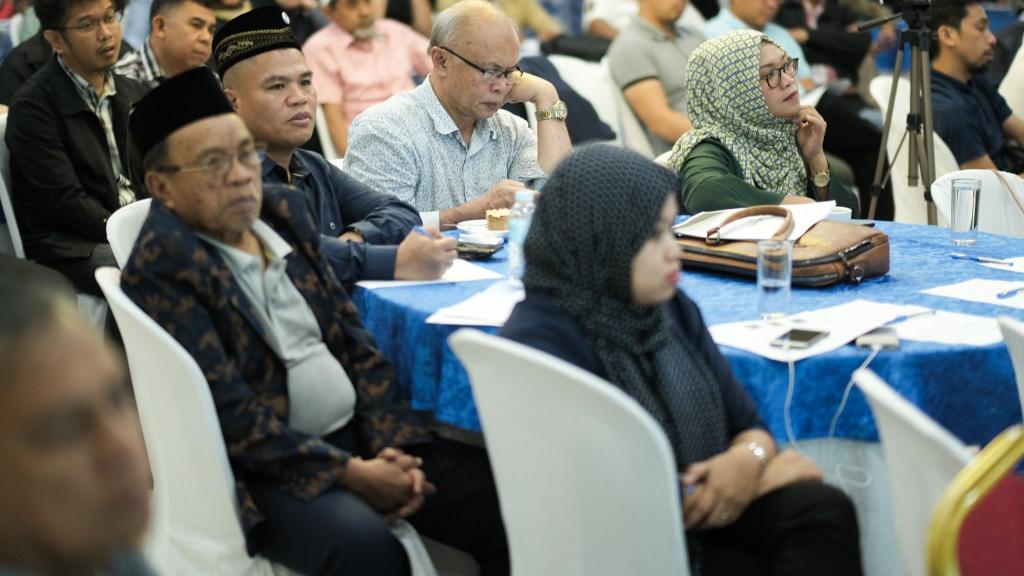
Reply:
x=799, y=338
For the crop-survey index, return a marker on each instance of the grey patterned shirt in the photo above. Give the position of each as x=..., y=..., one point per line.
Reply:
x=100, y=105
x=321, y=397
x=409, y=146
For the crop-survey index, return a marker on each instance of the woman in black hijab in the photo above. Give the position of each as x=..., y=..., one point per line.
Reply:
x=601, y=275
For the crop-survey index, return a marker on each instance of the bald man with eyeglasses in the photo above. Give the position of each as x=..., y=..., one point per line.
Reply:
x=446, y=147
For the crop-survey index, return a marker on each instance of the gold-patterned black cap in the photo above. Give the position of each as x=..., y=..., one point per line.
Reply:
x=255, y=32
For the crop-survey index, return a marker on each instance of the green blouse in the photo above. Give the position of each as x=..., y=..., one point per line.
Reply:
x=712, y=180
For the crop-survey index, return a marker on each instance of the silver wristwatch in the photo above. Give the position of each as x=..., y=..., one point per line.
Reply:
x=557, y=111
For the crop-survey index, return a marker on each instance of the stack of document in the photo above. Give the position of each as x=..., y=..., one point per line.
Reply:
x=492, y=307
x=844, y=323
x=461, y=271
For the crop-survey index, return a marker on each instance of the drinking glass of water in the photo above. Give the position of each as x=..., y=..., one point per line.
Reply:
x=963, y=213
x=774, y=276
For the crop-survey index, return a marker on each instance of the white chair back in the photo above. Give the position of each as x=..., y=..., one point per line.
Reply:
x=630, y=128
x=604, y=487
x=592, y=81
x=326, y=144
x=5, y=192
x=1013, y=335
x=922, y=458
x=196, y=528
x=1000, y=204
x=1012, y=86
x=908, y=200
x=123, y=229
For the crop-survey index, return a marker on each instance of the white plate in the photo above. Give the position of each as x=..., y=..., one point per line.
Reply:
x=479, y=227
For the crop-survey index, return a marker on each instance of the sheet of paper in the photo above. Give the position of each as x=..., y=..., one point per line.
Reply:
x=984, y=291
x=461, y=271
x=491, y=307
x=843, y=322
x=951, y=328
x=755, y=227
x=1018, y=265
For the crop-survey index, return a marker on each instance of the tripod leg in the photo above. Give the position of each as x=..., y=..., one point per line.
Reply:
x=929, y=139
x=914, y=116
x=878, y=182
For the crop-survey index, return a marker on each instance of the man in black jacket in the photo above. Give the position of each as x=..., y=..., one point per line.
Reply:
x=29, y=57
x=67, y=133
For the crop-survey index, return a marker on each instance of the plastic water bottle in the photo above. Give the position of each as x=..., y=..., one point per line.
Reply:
x=518, y=225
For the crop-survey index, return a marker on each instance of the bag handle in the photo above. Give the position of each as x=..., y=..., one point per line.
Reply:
x=713, y=237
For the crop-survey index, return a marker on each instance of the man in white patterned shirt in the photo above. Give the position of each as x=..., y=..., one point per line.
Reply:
x=180, y=38
x=446, y=147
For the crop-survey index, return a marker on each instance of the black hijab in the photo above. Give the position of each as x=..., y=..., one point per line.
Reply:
x=595, y=213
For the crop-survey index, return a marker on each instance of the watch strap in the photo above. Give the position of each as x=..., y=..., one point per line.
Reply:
x=556, y=111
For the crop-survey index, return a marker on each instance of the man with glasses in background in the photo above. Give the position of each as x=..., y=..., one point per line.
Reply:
x=67, y=132
x=446, y=147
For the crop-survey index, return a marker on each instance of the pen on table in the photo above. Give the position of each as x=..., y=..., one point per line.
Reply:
x=1009, y=293
x=983, y=259
x=904, y=317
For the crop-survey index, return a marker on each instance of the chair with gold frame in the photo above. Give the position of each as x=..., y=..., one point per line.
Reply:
x=969, y=488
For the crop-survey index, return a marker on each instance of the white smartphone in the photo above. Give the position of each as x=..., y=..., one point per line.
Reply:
x=799, y=338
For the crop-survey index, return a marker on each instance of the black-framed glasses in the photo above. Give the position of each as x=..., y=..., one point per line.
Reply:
x=490, y=74
x=774, y=77
x=89, y=26
x=217, y=165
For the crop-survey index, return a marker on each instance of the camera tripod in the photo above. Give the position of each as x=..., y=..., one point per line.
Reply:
x=918, y=134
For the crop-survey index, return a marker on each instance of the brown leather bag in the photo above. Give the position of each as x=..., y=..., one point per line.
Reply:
x=828, y=253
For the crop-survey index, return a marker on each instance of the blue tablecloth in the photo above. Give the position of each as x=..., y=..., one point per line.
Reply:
x=970, y=390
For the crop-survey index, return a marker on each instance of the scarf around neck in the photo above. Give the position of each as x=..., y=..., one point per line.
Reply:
x=595, y=213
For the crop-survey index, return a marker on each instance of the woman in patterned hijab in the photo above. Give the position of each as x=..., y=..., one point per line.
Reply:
x=601, y=280
x=752, y=142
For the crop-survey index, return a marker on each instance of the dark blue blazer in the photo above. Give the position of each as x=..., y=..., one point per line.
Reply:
x=184, y=284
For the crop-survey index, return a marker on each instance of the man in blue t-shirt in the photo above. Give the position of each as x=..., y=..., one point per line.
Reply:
x=970, y=116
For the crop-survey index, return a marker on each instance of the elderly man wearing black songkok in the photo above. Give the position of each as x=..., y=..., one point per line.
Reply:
x=365, y=234
x=309, y=409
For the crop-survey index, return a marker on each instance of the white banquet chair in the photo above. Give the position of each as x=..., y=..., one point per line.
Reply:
x=1000, y=203
x=1013, y=336
x=123, y=228
x=922, y=458
x=608, y=499
x=1012, y=86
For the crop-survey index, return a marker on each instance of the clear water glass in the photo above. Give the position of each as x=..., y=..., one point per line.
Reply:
x=963, y=212
x=774, y=277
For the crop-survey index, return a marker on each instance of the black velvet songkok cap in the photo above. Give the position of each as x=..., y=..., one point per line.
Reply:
x=255, y=32
x=177, y=102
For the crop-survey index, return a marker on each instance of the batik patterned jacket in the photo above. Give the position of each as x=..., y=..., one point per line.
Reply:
x=184, y=285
